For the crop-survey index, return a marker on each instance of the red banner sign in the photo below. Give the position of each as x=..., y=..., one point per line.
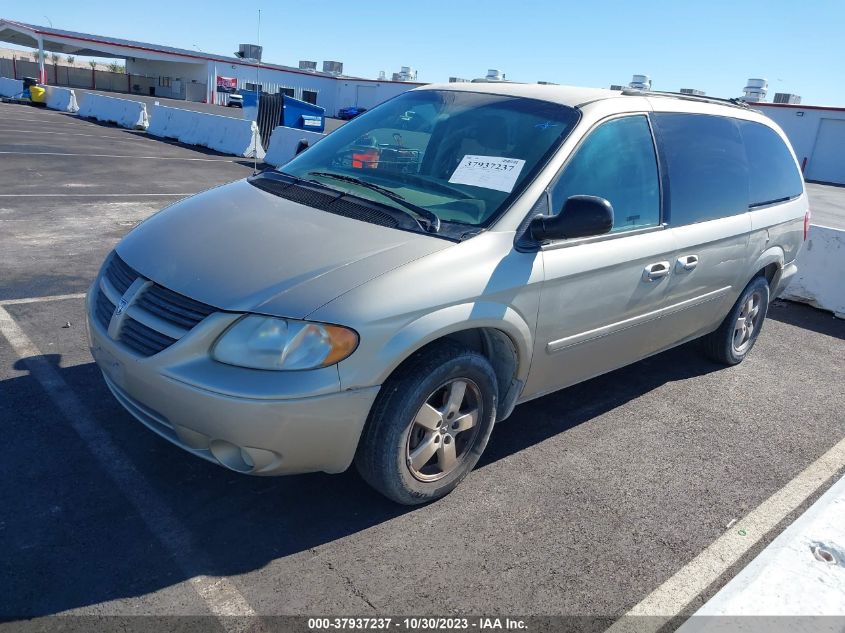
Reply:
x=227, y=84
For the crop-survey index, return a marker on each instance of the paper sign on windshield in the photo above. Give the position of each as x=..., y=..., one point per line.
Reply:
x=490, y=172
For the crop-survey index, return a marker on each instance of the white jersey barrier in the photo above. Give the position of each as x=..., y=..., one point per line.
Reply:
x=62, y=99
x=821, y=263
x=10, y=87
x=284, y=141
x=224, y=134
x=124, y=112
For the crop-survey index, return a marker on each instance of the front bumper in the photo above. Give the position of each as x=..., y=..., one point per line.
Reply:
x=251, y=421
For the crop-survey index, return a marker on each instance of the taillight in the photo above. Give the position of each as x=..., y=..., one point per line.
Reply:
x=806, y=224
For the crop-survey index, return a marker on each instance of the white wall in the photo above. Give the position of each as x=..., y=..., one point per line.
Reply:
x=802, y=126
x=332, y=93
x=348, y=93
x=186, y=72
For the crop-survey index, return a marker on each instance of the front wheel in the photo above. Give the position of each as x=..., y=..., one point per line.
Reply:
x=732, y=342
x=429, y=424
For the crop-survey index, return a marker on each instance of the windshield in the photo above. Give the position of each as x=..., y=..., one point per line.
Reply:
x=460, y=156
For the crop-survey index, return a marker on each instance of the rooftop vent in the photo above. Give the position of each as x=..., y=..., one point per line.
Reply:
x=249, y=51
x=756, y=90
x=640, y=82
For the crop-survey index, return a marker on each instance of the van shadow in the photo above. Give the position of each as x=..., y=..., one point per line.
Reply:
x=71, y=538
x=807, y=317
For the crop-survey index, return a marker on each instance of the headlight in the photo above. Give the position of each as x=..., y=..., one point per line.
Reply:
x=262, y=342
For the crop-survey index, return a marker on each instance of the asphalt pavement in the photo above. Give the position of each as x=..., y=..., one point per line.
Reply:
x=827, y=204
x=584, y=503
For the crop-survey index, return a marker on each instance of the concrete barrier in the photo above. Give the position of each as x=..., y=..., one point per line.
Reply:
x=10, y=87
x=224, y=134
x=62, y=99
x=284, y=141
x=124, y=112
x=821, y=271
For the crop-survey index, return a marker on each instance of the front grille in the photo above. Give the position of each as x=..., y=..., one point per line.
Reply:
x=103, y=309
x=120, y=274
x=155, y=309
x=144, y=340
x=173, y=307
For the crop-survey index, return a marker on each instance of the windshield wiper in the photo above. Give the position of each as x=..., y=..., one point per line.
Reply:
x=432, y=221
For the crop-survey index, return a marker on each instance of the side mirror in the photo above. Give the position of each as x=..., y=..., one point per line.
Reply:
x=301, y=147
x=582, y=216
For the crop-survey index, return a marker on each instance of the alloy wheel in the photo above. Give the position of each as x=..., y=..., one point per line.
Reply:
x=444, y=430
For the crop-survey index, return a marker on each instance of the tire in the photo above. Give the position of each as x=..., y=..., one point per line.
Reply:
x=730, y=344
x=415, y=414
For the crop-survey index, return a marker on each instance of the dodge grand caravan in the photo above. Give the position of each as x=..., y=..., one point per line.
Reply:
x=399, y=287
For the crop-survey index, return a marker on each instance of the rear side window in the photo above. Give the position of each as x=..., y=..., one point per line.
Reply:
x=706, y=166
x=774, y=176
x=616, y=162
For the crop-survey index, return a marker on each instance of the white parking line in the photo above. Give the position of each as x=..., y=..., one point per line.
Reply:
x=15, y=302
x=93, y=195
x=127, y=138
x=207, y=160
x=670, y=598
x=220, y=594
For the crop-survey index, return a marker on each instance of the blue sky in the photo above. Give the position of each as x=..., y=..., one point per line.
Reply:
x=711, y=45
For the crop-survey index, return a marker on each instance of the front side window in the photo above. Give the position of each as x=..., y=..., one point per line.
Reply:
x=774, y=176
x=462, y=156
x=706, y=166
x=616, y=162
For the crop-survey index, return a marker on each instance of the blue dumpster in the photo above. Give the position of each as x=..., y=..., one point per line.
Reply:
x=303, y=115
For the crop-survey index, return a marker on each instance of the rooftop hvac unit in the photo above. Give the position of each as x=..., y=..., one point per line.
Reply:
x=249, y=51
x=616, y=87
x=547, y=83
x=307, y=65
x=333, y=68
x=692, y=91
x=494, y=75
x=640, y=82
x=458, y=80
x=756, y=90
x=785, y=97
x=406, y=73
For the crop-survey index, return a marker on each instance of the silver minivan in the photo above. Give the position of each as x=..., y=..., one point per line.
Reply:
x=399, y=287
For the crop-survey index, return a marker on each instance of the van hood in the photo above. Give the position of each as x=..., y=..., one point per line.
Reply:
x=239, y=248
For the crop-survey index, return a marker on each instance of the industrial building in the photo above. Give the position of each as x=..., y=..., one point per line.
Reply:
x=164, y=71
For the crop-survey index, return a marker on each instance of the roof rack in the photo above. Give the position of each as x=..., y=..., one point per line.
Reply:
x=737, y=103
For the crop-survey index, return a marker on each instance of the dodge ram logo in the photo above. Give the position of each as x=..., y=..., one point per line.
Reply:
x=121, y=306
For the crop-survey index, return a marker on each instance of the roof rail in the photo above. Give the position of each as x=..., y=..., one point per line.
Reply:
x=737, y=103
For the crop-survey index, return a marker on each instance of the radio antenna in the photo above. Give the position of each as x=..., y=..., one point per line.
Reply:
x=258, y=91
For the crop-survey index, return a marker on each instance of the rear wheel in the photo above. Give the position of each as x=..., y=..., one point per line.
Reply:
x=429, y=425
x=732, y=342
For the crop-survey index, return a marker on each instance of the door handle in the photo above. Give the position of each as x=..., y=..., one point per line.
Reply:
x=688, y=262
x=656, y=271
